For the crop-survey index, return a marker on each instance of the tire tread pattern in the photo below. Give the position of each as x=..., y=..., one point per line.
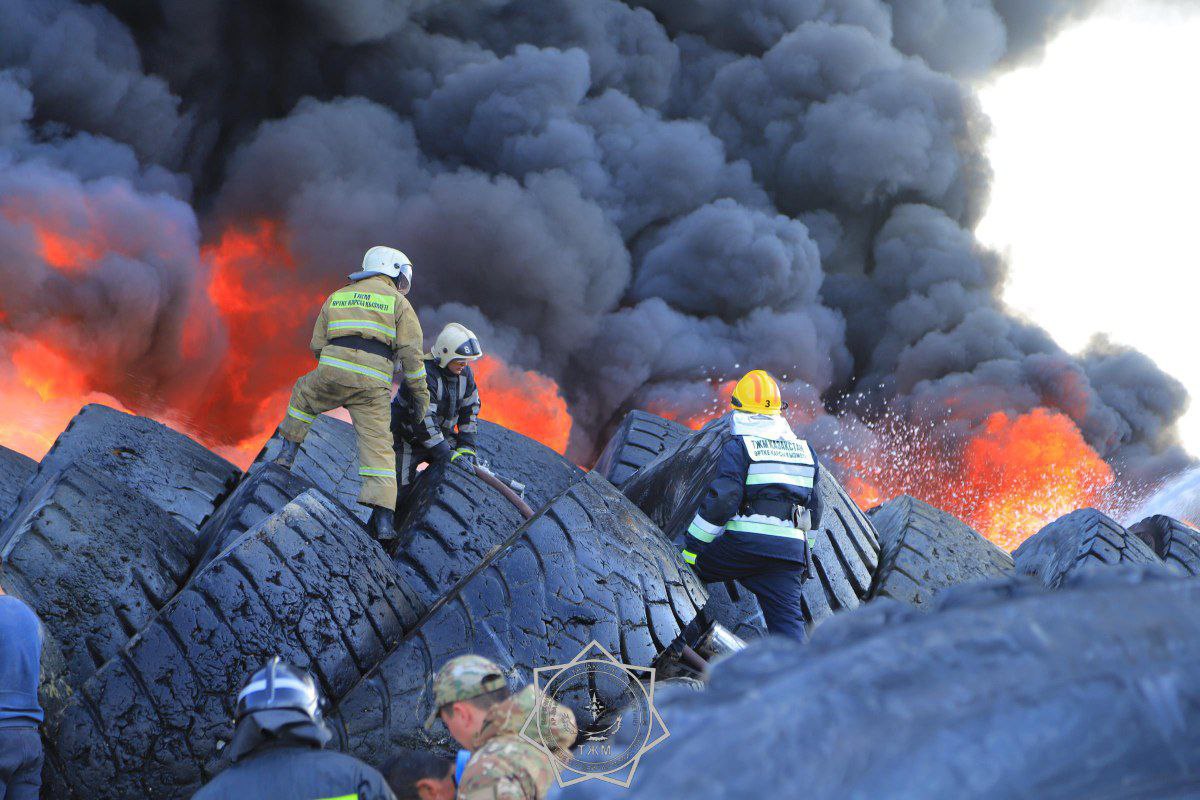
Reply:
x=587, y=567
x=925, y=550
x=639, y=439
x=1080, y=540
x=306, y=584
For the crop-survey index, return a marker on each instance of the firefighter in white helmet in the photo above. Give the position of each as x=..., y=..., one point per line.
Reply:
x=444, y=431
x=363, y=331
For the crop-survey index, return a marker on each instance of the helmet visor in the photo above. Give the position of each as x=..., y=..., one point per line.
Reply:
x=469, y=349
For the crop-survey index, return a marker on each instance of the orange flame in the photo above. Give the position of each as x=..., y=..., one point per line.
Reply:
x=1016, y=475
x=524, y=401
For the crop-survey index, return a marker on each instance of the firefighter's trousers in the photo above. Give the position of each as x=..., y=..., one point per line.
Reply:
x=776, y=582
x=370, y=410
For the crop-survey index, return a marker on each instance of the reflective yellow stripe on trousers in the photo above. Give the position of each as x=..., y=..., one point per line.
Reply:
x=350, y=366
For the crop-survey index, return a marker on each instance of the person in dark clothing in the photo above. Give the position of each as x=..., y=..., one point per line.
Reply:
x=421, y=775
x=276, y=747
x=20, y=712
x=447, y=430
x=753, y=523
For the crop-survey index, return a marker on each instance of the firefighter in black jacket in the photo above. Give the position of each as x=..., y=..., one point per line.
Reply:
x=446, y=432
x=276, y=747
x=753, y=523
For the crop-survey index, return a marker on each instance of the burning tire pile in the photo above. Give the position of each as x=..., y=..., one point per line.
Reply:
x=939, y=665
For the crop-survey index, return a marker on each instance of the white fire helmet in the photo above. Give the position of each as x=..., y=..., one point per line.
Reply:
x=388, y=261
x=456, y=341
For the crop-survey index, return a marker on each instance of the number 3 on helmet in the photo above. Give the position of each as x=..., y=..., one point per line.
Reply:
x=757, y=393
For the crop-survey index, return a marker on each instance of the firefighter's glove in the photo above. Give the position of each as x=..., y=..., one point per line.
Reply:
x=440, y=454
x=466, y=454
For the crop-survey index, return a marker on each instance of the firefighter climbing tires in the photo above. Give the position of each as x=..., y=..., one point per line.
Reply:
x=845, y=549
x=923, y=550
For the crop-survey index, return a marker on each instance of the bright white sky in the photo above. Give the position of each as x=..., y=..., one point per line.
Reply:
x=1096, y=194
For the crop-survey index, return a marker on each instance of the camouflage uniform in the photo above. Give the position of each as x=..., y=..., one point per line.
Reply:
x=503, y=765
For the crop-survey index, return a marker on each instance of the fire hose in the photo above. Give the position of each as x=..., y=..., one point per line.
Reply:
x=503, y=487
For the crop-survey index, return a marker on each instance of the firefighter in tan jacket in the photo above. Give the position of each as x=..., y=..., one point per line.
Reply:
x=363, y=330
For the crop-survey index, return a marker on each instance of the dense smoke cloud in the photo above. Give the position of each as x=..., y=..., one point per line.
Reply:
x=639, y=200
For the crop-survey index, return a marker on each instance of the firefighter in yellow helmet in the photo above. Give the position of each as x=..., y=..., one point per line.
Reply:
x=754, y=520
x=363, y=330
x=445, y=432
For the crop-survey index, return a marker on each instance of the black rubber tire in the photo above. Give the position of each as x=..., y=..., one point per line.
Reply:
x=640, y=438
x=451, y=522
x=265, y=489
x=1175, y=542
x=545, y=473
x=1086, y=692
x=923, y=550
x=1080, y=540
x=589, y=567
x=306, y=584
x=845, y=549
x=15, y=471
x=95, y=561
x=328, y=459
x=170, y=470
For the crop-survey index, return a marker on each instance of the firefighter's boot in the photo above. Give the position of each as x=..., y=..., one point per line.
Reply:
x=287, y=453
x=382, y=524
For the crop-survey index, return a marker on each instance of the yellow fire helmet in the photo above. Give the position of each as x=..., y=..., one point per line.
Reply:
x=757, y=393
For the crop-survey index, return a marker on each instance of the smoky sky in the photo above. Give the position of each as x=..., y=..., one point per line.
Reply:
x=638, y=199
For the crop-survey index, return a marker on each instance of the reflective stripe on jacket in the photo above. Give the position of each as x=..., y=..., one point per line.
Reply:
x=454, y=403
x=372, y=308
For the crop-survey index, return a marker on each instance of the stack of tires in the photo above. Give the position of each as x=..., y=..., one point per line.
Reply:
x=1066, y=670
x=165, y=576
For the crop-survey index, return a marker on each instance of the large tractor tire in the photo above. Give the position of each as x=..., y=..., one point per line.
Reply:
x=167, y=468
x=923, y=550
x=328, y=459
x=265, y=489
x=451, y=522
x=1083, y=539
x=588, y=567
x=845, y=550
x=640, y=438
x=1175, y=542
x=15, y=472
x=1010, y=690
x=545, y=473
x=95, y=561
x=306, y=584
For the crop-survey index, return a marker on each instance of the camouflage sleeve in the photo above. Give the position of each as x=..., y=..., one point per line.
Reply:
x=320, y=336
x=490, y=778
x=408, y=353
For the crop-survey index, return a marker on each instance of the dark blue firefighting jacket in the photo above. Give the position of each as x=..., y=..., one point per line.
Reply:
x=763, y=496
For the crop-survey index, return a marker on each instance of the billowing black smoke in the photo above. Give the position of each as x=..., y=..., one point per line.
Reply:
x=635, y=199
